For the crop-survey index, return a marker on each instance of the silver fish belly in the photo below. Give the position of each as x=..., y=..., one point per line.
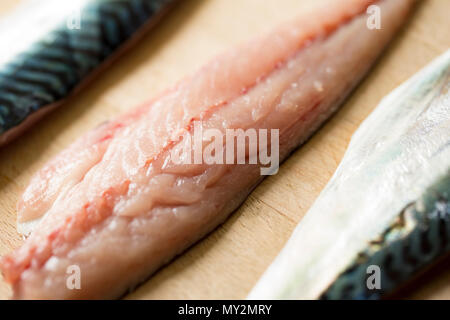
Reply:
x=387, y=207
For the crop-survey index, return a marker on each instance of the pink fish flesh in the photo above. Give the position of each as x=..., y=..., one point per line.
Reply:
x=115, y=206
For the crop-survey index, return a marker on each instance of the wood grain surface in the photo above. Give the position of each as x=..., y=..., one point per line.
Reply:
x=227, y=263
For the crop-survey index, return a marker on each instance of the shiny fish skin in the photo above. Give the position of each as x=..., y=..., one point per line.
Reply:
x=419, y=237
x=112, y=205
x=40, y=75
x=387, y=205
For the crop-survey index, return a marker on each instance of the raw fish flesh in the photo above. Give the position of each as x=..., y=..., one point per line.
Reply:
x=116, y=207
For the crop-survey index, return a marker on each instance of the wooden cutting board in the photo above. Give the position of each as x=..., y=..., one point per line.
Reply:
x=230, y=260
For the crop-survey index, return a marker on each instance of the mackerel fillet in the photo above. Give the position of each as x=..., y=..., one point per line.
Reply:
x=115, y=206
x=384, y=217
x=50, y=49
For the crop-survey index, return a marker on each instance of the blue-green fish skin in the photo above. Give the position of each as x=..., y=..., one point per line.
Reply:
x=54, y=65
x=419, y=237
x=420, y=234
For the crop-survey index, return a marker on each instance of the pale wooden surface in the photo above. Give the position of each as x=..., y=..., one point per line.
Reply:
x=228, y=262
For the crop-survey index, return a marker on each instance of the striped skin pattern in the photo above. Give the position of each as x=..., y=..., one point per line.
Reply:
x=55, y=65
x=419, y=237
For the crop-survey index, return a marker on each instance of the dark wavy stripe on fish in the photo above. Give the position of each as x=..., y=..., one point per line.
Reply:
x=55, y=65
x=418, y=238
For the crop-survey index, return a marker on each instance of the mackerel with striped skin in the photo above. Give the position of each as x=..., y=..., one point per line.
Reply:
x=50, y=48
x=419, y=237
x=386, y=206
x=114, y=203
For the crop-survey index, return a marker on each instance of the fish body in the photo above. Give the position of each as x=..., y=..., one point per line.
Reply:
x=51, y=47
x=115, y=205
x=384, y=215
